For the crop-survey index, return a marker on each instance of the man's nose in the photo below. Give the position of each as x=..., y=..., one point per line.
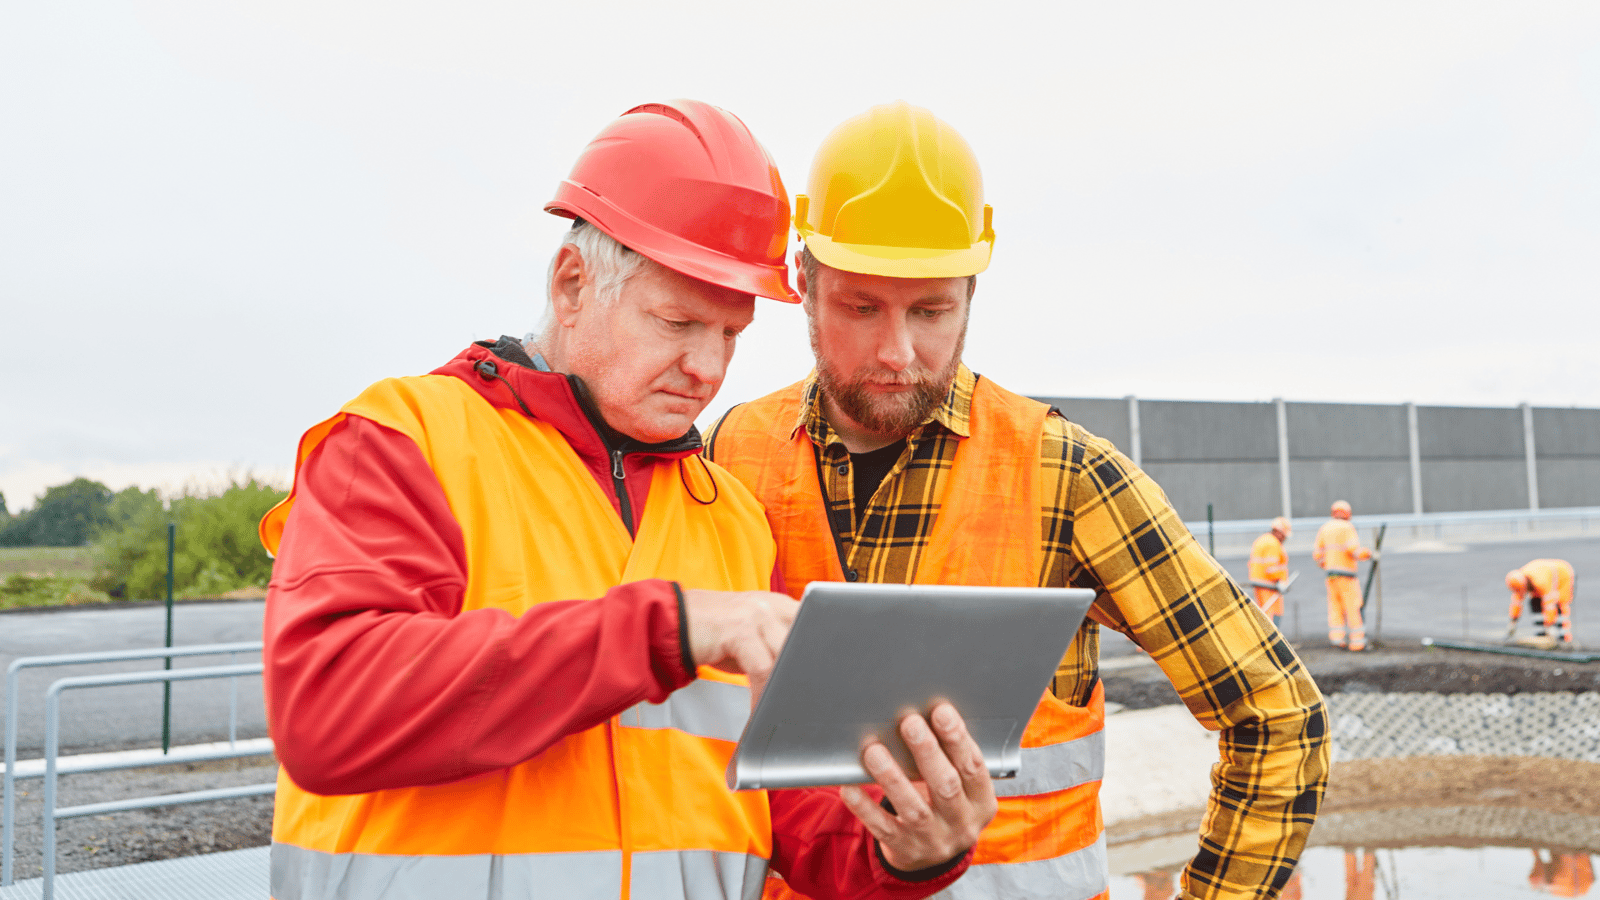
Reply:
x=894, y=346
x=706, y=359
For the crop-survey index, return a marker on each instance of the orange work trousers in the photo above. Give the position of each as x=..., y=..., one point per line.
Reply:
x=1344, y=613
x=1360, y=876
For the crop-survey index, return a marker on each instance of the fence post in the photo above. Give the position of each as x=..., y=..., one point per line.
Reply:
x=166, y=687
x=1530, y=451
x=1283, y=458
x=1211, y=531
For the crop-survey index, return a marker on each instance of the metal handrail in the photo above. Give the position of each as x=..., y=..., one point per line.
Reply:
x=1407, y=520
x=8, y=818
x=52, y=736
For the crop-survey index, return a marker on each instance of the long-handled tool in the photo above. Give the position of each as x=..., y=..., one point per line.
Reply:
x=1377, y=545
x=1282, y=587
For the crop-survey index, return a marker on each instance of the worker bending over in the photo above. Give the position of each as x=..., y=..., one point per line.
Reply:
x=1337, y=550
x=1269, y=568
x=1549, y=585
x=893, y=462
x=511, y=599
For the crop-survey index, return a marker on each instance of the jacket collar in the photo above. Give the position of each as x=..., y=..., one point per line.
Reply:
x=508, y=378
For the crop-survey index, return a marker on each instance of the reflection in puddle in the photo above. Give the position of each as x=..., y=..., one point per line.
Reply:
x=1412, y=873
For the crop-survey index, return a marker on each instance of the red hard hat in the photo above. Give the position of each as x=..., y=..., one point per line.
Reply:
x=686, y=184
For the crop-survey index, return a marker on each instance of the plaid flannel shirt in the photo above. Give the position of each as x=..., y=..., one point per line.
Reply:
x=1108, y=527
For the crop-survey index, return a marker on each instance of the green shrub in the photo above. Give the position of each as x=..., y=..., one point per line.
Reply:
x=217, y=548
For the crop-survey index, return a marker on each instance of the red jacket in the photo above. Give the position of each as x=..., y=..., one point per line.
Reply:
x=370, y=578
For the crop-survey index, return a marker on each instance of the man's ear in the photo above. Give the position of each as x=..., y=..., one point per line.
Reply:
x=567, y=279
x=800, y=279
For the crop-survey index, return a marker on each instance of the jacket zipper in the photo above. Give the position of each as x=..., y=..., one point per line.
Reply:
x=624, y=446
x=620, y=485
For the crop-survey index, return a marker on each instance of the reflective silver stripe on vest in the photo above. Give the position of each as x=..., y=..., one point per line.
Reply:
x=1340, y=573
x=1056, y=767
x=301, y=874
x=697, y=875
x=713, y=709
x=1076, y=876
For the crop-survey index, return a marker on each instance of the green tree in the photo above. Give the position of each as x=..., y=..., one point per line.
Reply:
x=217, y=547
x=68, y=515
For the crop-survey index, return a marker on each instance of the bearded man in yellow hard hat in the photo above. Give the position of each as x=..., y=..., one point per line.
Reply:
x=894, y=462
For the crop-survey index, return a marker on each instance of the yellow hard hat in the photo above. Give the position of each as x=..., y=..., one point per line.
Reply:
x=896, y=192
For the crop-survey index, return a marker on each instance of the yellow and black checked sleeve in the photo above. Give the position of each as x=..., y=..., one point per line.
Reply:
x=1109, y=527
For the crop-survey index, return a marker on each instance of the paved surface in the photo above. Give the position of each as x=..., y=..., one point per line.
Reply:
x=118, y=717
x=1429, y=588
x=235, y=875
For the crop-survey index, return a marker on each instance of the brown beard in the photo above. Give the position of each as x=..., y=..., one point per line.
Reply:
x=896, y=418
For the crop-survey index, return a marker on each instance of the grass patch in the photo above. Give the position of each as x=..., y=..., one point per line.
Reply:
x=20, y=590
x=47, y=576
x=49, y=562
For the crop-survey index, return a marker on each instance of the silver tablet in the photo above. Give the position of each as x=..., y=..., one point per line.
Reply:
x=862, y=655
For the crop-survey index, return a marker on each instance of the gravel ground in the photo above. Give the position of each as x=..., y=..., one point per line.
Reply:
x=96, y=842
x=1358, y=786
x=1394, y=668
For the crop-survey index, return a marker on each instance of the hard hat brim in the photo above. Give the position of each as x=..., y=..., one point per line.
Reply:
x=898, y=262
x=677, y=254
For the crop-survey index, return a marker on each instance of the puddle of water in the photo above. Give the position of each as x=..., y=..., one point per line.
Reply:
x=1412, y=873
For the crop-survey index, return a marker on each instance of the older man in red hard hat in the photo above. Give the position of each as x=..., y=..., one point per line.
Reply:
x=1269, y=568
x=894, y=462
x=511, y=605
x=1337, y=550
x=1549, y=586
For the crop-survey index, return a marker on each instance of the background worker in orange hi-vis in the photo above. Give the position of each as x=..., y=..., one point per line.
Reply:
x=1337, y=551
x=1549, y=585
x=1565, y=874
x=1269, y=568
x=1360, y=874
x=895, y=463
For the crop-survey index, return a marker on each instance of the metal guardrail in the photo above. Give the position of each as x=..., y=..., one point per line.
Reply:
x=52, y=740
x=1584, y=516
x=67, y=659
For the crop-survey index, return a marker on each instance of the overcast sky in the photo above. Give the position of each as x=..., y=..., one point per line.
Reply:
x=218, y=222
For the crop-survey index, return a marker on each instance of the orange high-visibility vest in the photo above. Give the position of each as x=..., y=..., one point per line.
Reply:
x=636, y=807
x=1269, y=564
x=1338, y=548
x=1552, y=579
x=1047, y=838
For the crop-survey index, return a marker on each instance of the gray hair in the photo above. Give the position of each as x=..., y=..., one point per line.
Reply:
x=606, y=261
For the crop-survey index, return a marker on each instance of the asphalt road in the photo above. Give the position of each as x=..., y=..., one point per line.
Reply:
x=1434, y=589
x=1429, y=589
x=130, y=716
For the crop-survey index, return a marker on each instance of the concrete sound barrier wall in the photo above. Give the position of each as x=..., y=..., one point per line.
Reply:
x=1257, y=460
